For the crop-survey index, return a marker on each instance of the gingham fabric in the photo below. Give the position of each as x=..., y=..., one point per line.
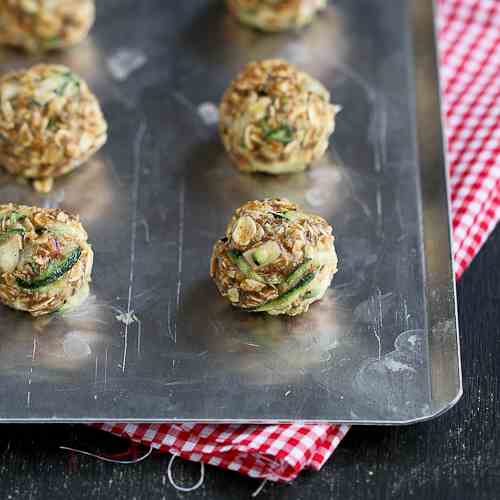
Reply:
x=273, y=452
x=469, y=46
x=469, y=43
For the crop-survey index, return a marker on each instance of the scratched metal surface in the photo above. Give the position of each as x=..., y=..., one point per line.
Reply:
x=155, y=341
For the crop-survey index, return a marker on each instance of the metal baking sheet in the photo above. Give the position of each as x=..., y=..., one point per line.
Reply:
x=156, y=342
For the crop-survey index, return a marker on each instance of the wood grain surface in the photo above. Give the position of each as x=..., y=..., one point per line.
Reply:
x=456, y=456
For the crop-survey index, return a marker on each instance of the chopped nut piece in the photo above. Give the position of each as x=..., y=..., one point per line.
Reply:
x=244, y=230
x=233, y=295
x=250, y=285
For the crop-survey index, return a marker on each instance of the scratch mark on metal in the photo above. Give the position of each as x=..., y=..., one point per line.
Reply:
x=252, y=345
x=135, y=197
x=127, y=318
x=377, y=128
x=407, y=316
x=147, y=294
x=182, y=200
x=364, y=84
x=139, y=337
x=185, y=101
x=379, y=211
x=126, y=61
x=364, y=206
x=169, y=327
x=382, y=135
x=145, y=223
x=379, y=322
x=169, y=319
x=181, y=382
x=114, y=172
x=30, y=373
x=96, y=373
x=348, y=178
x=106, y=366
x=379, y=204
x=378, y=134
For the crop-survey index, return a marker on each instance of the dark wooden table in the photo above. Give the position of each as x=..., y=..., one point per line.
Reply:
x=454, y=457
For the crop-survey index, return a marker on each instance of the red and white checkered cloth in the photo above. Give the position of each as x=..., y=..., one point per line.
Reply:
x=273, y=452
x=469, y=44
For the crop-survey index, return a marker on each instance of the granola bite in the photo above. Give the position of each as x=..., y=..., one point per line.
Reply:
x=275, y=15
x=50, y=122
x=275, y=118
x=274, y=258
x=39, y=25
x=45, y=259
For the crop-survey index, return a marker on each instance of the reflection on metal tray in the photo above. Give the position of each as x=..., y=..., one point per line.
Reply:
x=155, y=341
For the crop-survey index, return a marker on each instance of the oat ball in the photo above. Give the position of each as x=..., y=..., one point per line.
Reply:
x=275, y=258
x=275, y=15
x=275, y=118
x=50, y=122
x=45, y=259
x=39, y=25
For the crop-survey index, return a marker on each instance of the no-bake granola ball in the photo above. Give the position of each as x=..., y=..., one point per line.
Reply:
x=50, y=123
x=39, y=25
x=276, y=15
x=275, y=118
x=45, y=259
x=274, y=258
